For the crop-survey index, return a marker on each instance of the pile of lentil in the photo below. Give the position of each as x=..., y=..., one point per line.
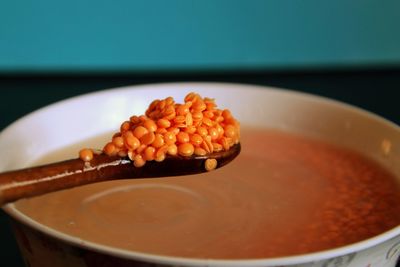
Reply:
x=195, y=127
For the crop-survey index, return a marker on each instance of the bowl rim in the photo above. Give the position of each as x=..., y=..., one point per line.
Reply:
x=162, y=259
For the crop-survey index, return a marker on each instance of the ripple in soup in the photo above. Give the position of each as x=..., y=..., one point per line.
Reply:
x=284, y=195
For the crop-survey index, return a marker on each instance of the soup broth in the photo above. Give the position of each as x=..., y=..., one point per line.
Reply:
x=284, y=195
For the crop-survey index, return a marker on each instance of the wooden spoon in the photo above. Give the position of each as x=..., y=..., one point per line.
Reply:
x=39, y=180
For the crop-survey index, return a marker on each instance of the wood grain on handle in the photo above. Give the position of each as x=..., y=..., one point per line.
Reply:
x=39, y=180
x=61, y=175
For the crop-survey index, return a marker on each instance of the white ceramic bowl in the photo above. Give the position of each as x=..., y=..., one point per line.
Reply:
x=69, y=121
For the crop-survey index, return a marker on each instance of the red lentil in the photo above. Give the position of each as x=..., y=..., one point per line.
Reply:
x=149, y=153
x=118, y=141
x=196, y=139
x=213, y=132
x=141, y=148
x=86, y=154
x=217, y=147
x=130, y=141
x=169, y=138
x=138, y=161
x=163, y=123
x=109, y=149
x=160, y=155
x=197, y=116
x=161, y=131
x=172, y=150
x=186, y=149
x=139, y=131
x=190, y=129
x=134, y=119
x=125, y=126
x=199, y=151
x=182, y=110
x=210, y=164
x=158, y=141
x=148, y=138
x=202, y=131
x=182, y=137
x=150, y=125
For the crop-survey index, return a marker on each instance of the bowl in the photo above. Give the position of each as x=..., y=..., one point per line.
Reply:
x=89, y=115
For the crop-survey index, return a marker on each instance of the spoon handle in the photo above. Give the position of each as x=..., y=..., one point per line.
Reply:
x=60, y=175
x=39, y=180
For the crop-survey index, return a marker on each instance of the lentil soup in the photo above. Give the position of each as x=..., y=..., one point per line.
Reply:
x=284, y=195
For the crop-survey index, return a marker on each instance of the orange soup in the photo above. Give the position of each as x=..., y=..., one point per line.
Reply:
x=284, y=195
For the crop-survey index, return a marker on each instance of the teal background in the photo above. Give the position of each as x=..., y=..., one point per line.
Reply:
x=139, y=36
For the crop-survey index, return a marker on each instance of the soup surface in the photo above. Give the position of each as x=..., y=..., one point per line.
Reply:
x=283, y=195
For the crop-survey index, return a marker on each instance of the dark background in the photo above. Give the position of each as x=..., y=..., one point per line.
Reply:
x=376, y=90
